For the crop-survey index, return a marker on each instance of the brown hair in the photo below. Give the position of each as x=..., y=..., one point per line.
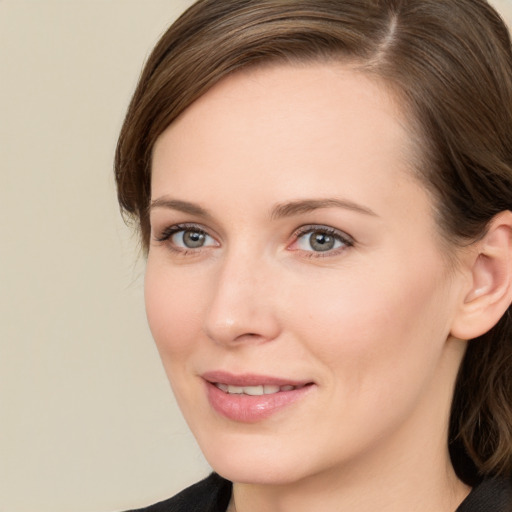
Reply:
x=449, y=61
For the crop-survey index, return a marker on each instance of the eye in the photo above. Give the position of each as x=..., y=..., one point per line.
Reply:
x=191, y=239
x=321, y=239
x=184, y=238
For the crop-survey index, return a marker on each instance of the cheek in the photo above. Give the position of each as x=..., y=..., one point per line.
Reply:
x=173, y=312
x=368, y=323
x=378, y=342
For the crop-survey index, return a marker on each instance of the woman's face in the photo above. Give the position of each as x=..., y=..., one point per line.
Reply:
x=295, y=286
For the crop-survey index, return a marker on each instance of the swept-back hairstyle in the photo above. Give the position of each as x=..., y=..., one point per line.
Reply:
x=449, y=63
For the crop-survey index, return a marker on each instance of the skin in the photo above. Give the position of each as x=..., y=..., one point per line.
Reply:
x=367, y=322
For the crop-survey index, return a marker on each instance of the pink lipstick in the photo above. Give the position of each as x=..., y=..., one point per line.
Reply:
x=251, y=398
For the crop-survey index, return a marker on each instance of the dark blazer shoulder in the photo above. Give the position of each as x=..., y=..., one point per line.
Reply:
x=209, y=495
x=492, y=495
x=214, y=492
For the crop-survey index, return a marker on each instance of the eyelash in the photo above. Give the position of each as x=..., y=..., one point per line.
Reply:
x=339, y=236
x=176, y=228
x=170, y=231
x=346, y=240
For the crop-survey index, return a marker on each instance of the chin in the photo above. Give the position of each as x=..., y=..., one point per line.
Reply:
x=256, y=473
x=257, y=459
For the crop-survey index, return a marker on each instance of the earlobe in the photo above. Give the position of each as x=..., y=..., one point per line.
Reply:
x=490, y=293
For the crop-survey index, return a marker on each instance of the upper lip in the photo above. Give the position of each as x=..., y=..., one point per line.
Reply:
x=249, y=379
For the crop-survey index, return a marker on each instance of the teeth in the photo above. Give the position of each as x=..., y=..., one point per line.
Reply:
x=253, y=390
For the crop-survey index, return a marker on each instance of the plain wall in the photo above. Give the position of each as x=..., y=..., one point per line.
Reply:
x=87, y=419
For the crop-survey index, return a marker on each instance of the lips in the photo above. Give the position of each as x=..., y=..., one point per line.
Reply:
x=249, y=379
x=265, y=389
x=251, y=398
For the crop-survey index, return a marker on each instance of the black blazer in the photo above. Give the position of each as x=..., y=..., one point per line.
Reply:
x=213, y=494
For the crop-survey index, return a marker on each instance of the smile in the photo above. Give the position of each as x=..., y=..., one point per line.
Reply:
x=265, y=389
x=250, y=398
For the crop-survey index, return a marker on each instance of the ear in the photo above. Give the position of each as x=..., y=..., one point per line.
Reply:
x=490, y=284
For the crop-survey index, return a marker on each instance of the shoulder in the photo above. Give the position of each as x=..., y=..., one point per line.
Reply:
x=493, y=495
x=209, y=495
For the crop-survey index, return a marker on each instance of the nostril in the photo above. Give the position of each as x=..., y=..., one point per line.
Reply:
x=249, y=336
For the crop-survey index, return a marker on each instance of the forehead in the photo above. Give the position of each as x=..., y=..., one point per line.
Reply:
x=263, y=126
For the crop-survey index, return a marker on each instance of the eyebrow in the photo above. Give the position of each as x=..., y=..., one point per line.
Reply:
x=308, y=205
x=279, y=211
x=181, y=206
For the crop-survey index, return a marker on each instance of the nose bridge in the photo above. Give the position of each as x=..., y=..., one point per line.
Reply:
x=241, y=306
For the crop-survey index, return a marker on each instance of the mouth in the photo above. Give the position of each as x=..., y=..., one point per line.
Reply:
x=252, y=398
x=252, y=384
x=263, y=389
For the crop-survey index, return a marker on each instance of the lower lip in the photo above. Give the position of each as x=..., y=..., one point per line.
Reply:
x=248, y=408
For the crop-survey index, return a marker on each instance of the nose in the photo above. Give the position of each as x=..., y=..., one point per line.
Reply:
x=242, y=307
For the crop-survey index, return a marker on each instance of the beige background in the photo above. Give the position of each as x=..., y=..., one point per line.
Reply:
x=87, y=420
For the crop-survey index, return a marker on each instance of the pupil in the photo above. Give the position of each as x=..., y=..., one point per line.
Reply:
x=321, y=241
x=193, y=239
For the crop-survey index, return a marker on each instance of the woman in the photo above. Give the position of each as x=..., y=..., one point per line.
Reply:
x=324, y=194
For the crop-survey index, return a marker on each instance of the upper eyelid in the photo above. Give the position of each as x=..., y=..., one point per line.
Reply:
x=321, y=227
x=171, y=229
